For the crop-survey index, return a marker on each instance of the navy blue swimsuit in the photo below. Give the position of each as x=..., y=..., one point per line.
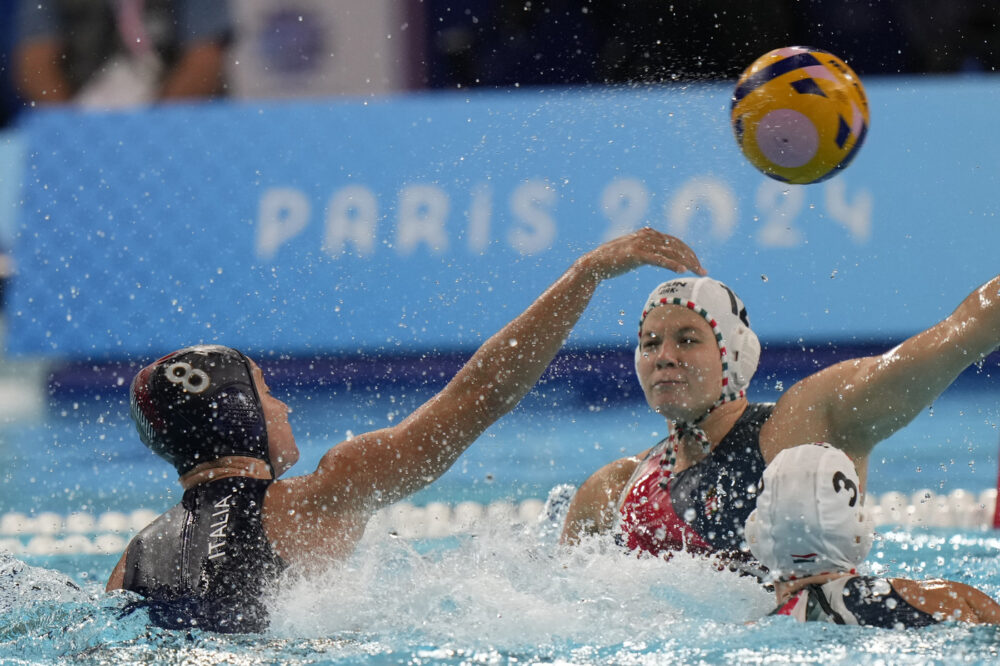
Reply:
x=703, y=508
x=861, y=600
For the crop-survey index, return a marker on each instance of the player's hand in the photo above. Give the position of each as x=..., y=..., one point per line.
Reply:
x=646, y=247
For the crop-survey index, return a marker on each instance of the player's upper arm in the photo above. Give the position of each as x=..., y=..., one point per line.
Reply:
x=845, y=404
x=869, y=399
x=592, y=510
x=949, y=600
x=371, y=470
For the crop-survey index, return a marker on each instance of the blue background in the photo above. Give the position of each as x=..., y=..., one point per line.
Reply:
x=145, y=231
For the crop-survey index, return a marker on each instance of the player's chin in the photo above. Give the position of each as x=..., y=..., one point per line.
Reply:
x=673, y=408
x=678, y=405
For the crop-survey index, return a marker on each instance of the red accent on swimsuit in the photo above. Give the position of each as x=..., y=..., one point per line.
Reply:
x=706, y=505
x=648, y=517
x=788, y=608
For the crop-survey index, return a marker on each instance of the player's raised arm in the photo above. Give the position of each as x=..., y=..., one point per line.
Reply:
x=207, y=410
x=383, y=466
x=858, y=403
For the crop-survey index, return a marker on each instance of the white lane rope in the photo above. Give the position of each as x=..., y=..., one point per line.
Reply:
x=108, y=533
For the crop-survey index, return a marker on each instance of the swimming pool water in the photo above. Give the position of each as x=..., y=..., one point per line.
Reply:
x=503, y=594
x=505, y=597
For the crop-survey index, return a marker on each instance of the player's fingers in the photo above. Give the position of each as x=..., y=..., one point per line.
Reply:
x=676, y=250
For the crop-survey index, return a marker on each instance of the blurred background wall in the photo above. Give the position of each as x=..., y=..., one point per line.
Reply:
x=376, y=179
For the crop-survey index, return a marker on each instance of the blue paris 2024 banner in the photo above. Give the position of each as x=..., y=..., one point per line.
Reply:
x=426, y=222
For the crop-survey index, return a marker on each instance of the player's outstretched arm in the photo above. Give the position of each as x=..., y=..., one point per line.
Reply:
x=856, y=404
x=948, y=600
x=383, y=466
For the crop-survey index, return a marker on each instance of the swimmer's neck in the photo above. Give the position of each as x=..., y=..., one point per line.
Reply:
x=224, y=468
x=783, y=590
x=720, y=420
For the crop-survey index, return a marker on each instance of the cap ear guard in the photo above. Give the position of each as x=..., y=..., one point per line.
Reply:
x=746, y=357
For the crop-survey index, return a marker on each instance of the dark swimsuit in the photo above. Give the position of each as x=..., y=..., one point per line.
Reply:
x=207, y=562
x=861, y=600
x=703, y=508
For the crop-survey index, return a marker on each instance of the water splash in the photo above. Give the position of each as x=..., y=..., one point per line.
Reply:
x=505, y=587
x=507, y=594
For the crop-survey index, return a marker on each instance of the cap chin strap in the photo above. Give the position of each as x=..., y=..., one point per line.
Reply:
x=680, y=430
x=693, y=428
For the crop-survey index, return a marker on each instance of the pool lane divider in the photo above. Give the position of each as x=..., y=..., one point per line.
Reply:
x=108, y=533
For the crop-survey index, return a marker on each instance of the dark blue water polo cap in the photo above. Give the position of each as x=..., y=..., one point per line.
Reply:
x=197, y=405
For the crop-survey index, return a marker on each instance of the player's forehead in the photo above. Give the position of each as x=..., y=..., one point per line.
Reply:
x=665, y=319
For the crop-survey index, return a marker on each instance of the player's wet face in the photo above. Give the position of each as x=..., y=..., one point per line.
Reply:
x=679, y=365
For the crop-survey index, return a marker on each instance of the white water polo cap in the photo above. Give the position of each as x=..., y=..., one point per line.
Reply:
x=810, y=516
x=726, y=314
